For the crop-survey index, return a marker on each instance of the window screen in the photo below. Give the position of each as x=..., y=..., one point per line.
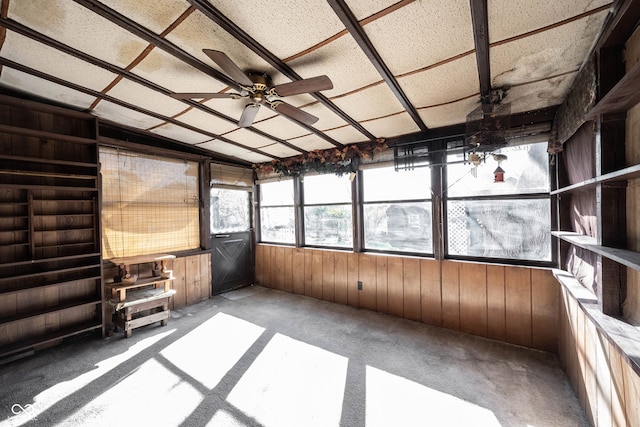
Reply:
x=149, y=204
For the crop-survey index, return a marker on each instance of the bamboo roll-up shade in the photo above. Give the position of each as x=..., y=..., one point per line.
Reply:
x=231, y=176
x=149, y=204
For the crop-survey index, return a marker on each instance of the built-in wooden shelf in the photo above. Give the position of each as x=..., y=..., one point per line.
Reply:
x=49, y=310
x=48, y=162
x=621, y=175
x=623, y=256
x=43, y=260
x=50, y=284
x=23, y=345
x=623, y=96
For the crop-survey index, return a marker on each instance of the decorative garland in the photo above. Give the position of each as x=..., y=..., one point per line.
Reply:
x=338, y=161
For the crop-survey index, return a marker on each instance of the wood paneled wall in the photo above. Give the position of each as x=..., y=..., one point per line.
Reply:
x=603, y=377
x=518, y=305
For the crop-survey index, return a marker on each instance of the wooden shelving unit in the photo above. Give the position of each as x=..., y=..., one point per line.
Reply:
x=608, y=191
x=50, y=253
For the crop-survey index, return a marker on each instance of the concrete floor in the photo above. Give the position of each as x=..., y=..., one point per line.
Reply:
x=260, y=357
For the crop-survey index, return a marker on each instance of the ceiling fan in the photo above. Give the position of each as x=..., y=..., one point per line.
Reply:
x=259, y=90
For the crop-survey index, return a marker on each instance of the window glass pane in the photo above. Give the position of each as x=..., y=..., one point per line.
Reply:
x=277, y=224
x=328, y=188
x=385, y=184
x=229, y=210
x=277, y=193
x=328, y=225
x=526, y=171
x=516, y=229
x=402, y=227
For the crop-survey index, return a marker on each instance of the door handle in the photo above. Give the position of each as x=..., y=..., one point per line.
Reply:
x=222, y=236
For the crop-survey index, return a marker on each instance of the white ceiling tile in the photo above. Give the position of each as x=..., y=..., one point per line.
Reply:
x=181, y=134
x=198, y=32
x=149, y=99
x=343, y=62
x=155, y=15
x=125, y=116
x=255, y=158
x=280, y=150
x=422, y=33
x=78, y=27
x=38, y=56
x=284, y=27
x=311, y=142
x=56, y=93
x=365, y=9
x=556, y=51
x=206, y=121
x=445, y=83
x=225, y=148
x=167, y=71
x=511, y=18
x=391, y=126
x=248, y=138
x=371, y=103
x=540, y=94
x=449, y=114
x=280, y=127
x=346, y=135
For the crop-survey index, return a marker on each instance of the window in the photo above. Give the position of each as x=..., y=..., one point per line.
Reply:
x=328, y=211
x=149, y=204
x=277, y=216
x=397, y=210
x=510, y=219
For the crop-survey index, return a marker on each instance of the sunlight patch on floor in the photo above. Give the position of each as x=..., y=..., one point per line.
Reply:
x=292, y=383
x=141, y=399
x=396, y=401
x=62, y=390
x=210, y=350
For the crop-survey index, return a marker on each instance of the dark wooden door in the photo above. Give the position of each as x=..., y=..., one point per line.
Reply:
x=231, y=242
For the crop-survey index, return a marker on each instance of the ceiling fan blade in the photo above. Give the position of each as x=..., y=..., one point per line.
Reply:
x=294, y=113
x=204, y=95
x=314, y=84
x=248, y=114
x=228, y=66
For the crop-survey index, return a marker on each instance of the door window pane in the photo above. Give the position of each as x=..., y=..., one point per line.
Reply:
x=229, y=210
x=517, y=229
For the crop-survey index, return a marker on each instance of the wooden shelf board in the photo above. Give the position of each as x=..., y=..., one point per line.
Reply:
x=57, y=175
x=49, y=310
x=41, y=273
x=48, y=285
x=48, y=161
x=46, y=135
x=41, y=260
x=625, y=257
x=622, y=97
x=141, y=259
x=49, y=187
x=27, y=344
x=621, y=175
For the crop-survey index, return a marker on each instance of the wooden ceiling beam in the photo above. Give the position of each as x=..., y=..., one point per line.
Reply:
x=480, y=20
x=357, y=32
x=216, y=16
